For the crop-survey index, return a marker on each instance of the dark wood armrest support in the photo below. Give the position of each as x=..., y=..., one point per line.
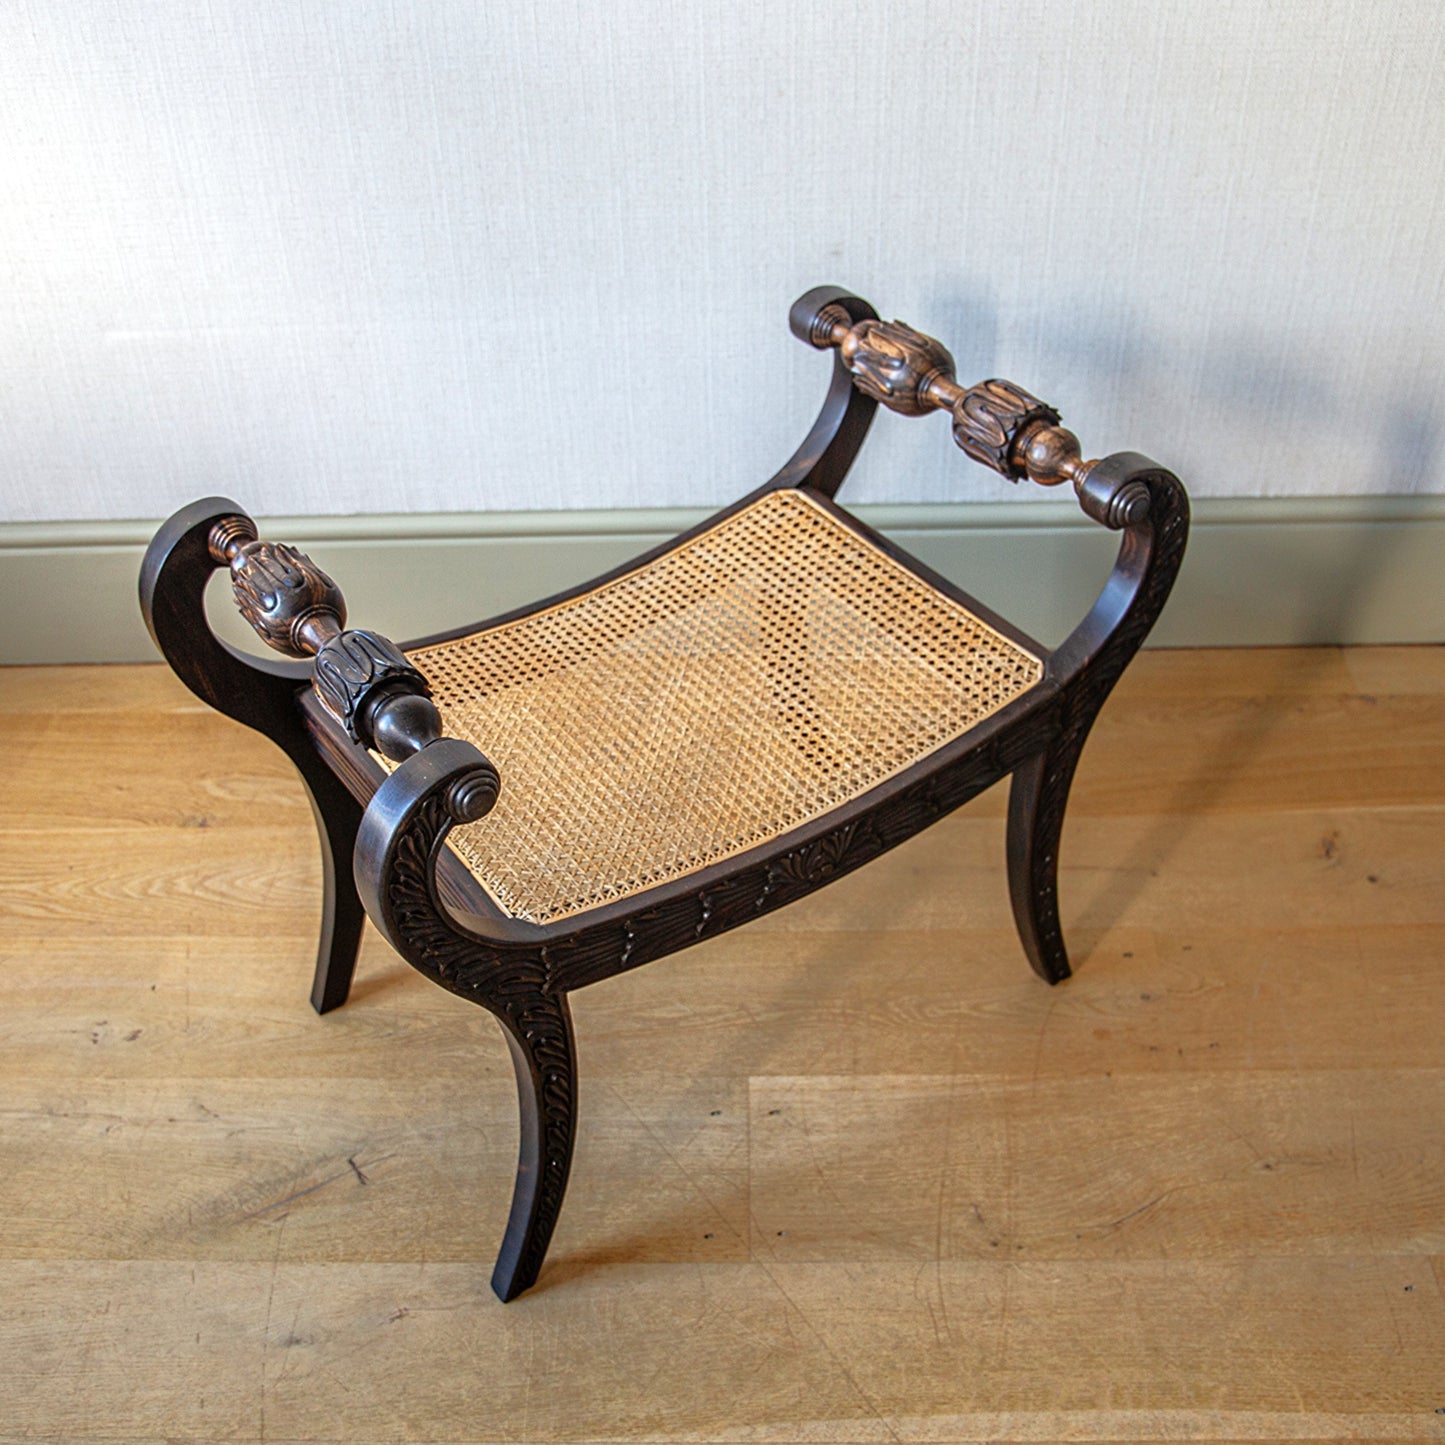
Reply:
x=363, y=679
x=995, y=422
x=405, y=825
x=1150, y=553
x=831, y=445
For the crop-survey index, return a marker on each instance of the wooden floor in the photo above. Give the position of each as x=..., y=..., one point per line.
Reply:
x=851, y=1173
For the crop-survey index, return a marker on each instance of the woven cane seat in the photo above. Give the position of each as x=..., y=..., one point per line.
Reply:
x=744, y=683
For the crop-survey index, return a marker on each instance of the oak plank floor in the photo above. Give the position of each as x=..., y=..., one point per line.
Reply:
x=849, y=1174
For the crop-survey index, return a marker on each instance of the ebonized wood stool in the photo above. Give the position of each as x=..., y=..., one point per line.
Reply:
x=535, y=803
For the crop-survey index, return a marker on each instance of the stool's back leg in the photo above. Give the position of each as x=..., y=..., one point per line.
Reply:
x=1086, y=667
x=342, y=916
x=262, y=694
x=1038, y=795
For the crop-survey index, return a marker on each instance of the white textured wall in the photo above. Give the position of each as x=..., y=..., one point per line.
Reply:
x=478, y=254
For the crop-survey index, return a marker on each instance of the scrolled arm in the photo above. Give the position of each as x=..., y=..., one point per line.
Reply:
x=831, y=445
x=1150, y=553
x=403, y=830
x=995, y=422
x=365, y=680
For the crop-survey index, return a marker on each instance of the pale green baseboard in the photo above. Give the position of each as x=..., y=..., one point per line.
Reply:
x=1303, y=570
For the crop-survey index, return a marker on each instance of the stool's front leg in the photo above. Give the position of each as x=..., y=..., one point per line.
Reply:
x=402, y=836
x=538, y=1026
x=384, y=703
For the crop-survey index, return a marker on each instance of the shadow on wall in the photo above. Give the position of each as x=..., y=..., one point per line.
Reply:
x=1241, y=414
x=1245, y=408
x=1254, y=395
x=1396, y=441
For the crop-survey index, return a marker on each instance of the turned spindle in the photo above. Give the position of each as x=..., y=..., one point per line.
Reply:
x=995, y=422
x=363, y=678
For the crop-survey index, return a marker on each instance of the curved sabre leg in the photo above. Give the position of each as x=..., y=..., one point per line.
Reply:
x=402, y=835
x=538, y=1027
x=338, y=816
x=1037, y=798
x=1090, y=662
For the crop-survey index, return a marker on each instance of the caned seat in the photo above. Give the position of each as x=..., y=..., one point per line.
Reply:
x=760, y=675
x=531, y=805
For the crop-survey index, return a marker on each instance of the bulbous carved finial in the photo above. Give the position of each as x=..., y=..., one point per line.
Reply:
x=894, y=364
x=292, y=604
x=995, y=422
x=365, y=680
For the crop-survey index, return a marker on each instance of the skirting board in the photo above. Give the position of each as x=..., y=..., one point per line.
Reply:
x=1273, y=571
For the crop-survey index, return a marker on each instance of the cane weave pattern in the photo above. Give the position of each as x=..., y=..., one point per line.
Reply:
x=749, y=681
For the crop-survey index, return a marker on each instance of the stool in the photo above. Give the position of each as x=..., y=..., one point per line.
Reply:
x=532, y=804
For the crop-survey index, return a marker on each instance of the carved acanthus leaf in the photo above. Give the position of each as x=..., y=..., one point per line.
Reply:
x=989, y=419
x=278, y=590
x=894, y=364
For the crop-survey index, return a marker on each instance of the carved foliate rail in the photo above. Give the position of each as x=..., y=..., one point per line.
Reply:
x=363, y=678
x=995, y=422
